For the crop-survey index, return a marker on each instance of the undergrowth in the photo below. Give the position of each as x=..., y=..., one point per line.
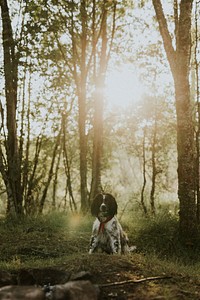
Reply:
x=58, y=237
x=47, y=245
x=46, y=239
x=159, y=235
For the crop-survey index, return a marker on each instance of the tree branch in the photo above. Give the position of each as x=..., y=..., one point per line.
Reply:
x=167, y=40
x=134, y=281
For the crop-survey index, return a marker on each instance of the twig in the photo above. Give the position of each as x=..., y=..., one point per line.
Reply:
x=134, y=281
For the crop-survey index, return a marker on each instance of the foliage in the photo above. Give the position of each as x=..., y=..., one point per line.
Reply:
x=50, y=238
x=45, y=37
x=42, y=239
x=59, y=241
x=160, y=236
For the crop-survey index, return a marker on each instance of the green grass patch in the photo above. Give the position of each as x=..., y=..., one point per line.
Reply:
x=55, y=237
x=44, y=245
x=159, y=236
x=43, y=239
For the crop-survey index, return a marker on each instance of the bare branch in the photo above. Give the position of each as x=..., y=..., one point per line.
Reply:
x=167, y=40
x=134, y=281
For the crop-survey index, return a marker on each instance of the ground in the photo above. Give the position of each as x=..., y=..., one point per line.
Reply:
x=40, y=254
x=105, y=269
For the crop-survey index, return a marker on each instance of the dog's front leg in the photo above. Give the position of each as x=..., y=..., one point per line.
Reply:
x=93, y=243
x=115, y=244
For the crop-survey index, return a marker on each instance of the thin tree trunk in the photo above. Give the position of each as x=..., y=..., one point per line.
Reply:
x=55, y=182
x=27, y=147
x=153, y=178
x=29, y=200
x=153, y=161
x=67, y=165
x=50, y=174
x=144, y=173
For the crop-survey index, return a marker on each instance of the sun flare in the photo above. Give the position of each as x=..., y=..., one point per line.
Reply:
x=123, y=87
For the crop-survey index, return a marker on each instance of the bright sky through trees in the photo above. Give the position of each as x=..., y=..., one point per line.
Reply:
x=123, y=87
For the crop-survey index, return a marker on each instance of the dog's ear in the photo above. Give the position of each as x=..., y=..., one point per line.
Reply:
x=96, y=204
x=112, y=204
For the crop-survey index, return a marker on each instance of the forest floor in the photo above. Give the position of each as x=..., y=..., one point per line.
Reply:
x=49, y=251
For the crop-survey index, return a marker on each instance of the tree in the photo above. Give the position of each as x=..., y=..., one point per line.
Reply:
x=99, y=78
x=10, y=166
x=143, y=172
x=196, y=67
x=46, y=24
x=179, y=61
x=99, y=97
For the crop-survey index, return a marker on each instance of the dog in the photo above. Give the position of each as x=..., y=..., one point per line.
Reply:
x=107, y=233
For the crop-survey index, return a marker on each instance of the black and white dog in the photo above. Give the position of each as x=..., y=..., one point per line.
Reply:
x=107, y=234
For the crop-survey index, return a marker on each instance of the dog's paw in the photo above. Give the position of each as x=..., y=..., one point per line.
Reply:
x=132, y=248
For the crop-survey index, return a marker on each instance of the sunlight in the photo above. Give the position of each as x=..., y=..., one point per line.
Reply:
x=74, y=221
x=123, y=87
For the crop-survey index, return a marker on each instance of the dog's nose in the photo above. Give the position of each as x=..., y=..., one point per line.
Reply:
x=103, y=207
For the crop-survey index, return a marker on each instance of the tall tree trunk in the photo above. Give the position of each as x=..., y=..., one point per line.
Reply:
x=179, y=61
x=185, y=126
x=13, y=180
x=82, y=112
x=197, y=165
x=98, y=113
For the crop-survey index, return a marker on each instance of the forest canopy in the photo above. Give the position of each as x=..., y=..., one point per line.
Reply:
x=100, y=96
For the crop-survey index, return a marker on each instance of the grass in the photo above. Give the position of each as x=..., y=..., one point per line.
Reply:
x=61, y=241
x=160, y=236
x=56, y=235
x=46, y=239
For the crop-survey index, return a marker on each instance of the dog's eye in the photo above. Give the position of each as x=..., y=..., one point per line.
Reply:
x=99, y=202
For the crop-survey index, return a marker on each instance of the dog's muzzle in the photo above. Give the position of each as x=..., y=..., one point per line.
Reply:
x=103, y=207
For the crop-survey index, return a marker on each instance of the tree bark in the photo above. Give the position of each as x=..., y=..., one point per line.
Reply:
x=72, y=202
x=144, y=173
x=99, y=78
x=98, y=113
x=80, y=81
x=13, y=180
x=179, y=61
x=154, y=171
x=197, y=165
x=50, y=174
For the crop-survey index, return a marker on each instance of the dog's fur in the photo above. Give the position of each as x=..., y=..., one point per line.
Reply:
x=107, y=234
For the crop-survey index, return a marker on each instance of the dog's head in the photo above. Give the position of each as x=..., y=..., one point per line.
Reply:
x=104, y=206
